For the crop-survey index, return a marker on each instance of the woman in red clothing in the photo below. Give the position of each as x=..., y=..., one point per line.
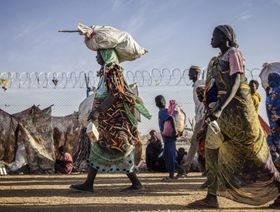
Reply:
x=64, y=163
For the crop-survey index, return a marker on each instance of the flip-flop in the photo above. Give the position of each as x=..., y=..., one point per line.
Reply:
x=168, y=179
x=79, y=187
x=181, y=176
x=131, y=189
x=274, y=205
x=201, y=204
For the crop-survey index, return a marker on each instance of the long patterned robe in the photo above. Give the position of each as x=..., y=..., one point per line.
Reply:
x=238, y=161
x=117, y=126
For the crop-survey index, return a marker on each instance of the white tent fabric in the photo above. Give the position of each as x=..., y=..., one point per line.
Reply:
x=267, y=69
x=21, y=158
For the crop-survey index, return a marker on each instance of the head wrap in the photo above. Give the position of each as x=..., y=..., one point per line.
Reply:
x=201, y=86
x=196, y=68
x=274, y=80
x=109, y=56
x=228, y=31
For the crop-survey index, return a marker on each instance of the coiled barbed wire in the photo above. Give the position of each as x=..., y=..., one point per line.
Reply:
x=144, y=78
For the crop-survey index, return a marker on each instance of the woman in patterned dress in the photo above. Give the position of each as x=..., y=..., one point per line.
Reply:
x=238, y=162
x=114, y=113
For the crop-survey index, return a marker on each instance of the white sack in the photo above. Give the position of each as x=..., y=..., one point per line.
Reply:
x=84, y=109
x=106, y=37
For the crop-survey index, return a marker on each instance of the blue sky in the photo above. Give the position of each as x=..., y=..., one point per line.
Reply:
x=177, y=34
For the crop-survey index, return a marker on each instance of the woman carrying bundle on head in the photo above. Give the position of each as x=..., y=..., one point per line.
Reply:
x=114, y=113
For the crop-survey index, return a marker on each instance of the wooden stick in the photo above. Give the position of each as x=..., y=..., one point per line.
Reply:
x=68, y=31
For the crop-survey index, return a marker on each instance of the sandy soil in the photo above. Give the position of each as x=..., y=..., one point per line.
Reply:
x=51, y=193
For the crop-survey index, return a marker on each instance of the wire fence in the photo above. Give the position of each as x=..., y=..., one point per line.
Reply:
x=83, y=79
x=65, y=91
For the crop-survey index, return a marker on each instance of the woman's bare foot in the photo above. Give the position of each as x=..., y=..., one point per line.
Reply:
x=210, y=201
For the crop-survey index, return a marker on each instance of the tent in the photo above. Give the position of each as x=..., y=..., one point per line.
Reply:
x=42, y=134
x=66, y=131
x=35, y=130
x=8, y=144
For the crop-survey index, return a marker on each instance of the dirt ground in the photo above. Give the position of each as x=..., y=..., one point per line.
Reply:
x=51, y=193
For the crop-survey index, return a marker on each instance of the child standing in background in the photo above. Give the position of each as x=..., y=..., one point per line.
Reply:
x=169, y=151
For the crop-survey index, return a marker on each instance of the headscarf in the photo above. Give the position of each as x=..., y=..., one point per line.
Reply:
x=228, y=31
x=196, y=68
x=274, y=80
x=109, y=56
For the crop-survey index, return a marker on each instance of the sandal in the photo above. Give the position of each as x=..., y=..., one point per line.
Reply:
x=274, y=205
x=80, y=187
x=168, y=179
x=182, y=176
x=132, y=189
x=202, y=204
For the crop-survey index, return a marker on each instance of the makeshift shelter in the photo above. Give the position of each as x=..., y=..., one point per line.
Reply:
x=8, y=144
x=35, y=130
x=42, y=134
x=66, y=132
x=81, y=154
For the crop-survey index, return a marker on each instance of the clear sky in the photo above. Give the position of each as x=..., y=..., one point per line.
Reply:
x=177, y=33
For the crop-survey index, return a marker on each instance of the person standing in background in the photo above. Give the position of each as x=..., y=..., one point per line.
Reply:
x=169, y=150
x=273, y=113
x=194, y=73
x=256, y=97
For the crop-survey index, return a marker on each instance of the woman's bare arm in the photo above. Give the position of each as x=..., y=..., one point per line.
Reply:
x=229, y=96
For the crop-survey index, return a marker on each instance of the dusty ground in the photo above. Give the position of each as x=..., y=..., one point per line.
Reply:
x=51, y=193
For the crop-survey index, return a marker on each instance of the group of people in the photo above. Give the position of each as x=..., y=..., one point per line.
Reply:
x=156, y=160
x=238, y=162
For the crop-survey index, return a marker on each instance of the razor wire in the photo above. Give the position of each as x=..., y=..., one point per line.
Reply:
x=88, y=79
